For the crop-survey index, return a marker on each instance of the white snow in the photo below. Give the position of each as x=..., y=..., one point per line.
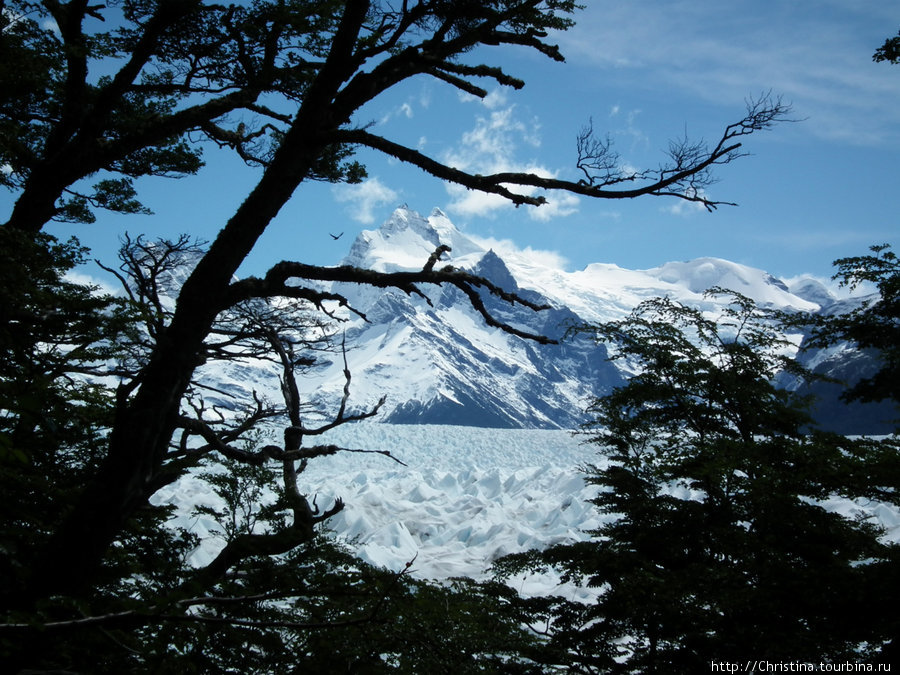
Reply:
x=600, y=292
x=467, y=496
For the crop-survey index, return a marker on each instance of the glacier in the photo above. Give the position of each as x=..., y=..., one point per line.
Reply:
x=466, y=496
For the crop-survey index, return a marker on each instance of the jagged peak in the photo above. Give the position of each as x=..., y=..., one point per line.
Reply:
x=406, y=239
x=404, y=218
x=492, y=268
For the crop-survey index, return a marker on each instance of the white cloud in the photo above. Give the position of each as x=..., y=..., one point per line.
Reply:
x=403, y=110
x=628, y=169
x=819, y=60
x=509, y=250
x=559, y=204
x=364, y=198
x=468, y=203
x=495, y=99
x=493, y=146
x=85, y=279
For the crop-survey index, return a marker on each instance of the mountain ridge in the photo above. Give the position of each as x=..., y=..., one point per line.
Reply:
x=437, y=362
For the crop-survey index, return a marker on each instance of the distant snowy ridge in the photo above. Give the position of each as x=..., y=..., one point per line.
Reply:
x=436, y=361
x=439, y=363
x=601, y=291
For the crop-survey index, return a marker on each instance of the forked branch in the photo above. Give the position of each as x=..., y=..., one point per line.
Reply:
x=275, y=284
x=684, y=175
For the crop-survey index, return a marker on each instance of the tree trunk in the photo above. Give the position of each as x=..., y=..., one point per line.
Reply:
x=36, y=206
x=144, y=426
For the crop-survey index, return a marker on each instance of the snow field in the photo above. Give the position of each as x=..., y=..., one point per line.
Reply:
x=456, y=524
x=465, y=497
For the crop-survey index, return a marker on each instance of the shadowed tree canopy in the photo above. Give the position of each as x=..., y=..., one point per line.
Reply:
x=715, y=544
x=889, y=51
x=872, y=326
x=95, y=96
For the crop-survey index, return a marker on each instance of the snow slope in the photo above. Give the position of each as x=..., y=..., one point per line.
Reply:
x=438, y=362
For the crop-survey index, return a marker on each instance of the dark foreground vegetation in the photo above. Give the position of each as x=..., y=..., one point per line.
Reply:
x=103, y=400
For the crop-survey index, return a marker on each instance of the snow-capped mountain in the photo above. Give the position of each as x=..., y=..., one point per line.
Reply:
x=464, y=497
x=437, y=361
x=440, y=363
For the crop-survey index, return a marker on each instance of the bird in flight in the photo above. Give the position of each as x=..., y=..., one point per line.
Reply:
x=336, y=236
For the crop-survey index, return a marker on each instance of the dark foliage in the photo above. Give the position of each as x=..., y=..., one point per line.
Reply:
x=889, y=51
x=57, y=337
x=876, y=324
x=103, y=400
x=716, y=544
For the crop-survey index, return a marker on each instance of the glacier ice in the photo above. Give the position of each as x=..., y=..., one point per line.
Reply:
x=466, y=497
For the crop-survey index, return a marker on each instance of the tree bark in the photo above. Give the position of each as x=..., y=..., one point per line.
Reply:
x=144, y=426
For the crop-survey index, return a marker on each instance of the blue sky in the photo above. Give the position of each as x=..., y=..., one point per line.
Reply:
x=645, y=72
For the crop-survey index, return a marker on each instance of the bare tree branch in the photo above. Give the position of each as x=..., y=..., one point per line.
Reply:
x=683, y=177
x=275, y=284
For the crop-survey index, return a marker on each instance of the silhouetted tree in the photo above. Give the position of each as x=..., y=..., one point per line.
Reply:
x=85, y=102
x=274, y=584
x=717, y=545
x=875, y=325
x=889, y=51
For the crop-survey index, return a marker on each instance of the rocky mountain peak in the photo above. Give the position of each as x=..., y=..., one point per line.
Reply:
x=406, y=239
